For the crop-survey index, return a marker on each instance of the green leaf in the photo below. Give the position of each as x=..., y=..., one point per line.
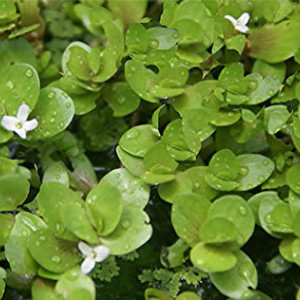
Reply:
x=56, y=173
x=51, y=198
x=261, y=89
x=140, y=79
x=53, y=254
x=137, y=39
x=19, y=84
x=10, y=196
x=188, y=215
x=133, y=191
x=121, y=98
x=54, y=112
x=138, y=140
x=236, y=42
x=104, y=207
x=275, y=42
x=220, y=184
x=235, y=282
x=43, y=289
x=254, y=170
x=235, y=209
x=181, y=184
x=212, y=259
x=159, y=161
x=265, y=69
x=292, y=178
x=197, y=175
x=224, y=164
x=267, y=202
x=131, y=233
x=16, y=51
x=7, y=222
x=16, y=252
x=75, y=285
x=218, y=230
x=162, y=38
x=129, y=11
x=275, y=118
x=278, y=265
x=76, y=221
x=132, y=163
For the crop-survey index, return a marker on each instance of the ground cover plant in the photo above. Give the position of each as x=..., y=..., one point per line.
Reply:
x=149, y=149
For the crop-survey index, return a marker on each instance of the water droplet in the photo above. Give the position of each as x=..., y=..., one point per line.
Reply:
x=121, y=100
x=242, y=210
x=154, y=44
x=13, y=263
x=42, y=238
x=55, y=259
x=268, y=218
x=270, y=92
x=57, y=176
x=68, y=105
x=266, y=162
x=253, y=85
x=37, y=243
x=46, y=134
x=52, y=120
x=51, y=95
x=10, y=84
x=61, y=125
x=133, y=69
x=57, y=227
x=197, y=185
x=118, y=175
x=244, y=171
x=261, y=178
x=250, y=186
x=126, y=247
x=25, y=232
x=28, y=73
x=175, y=35
x=54, y=113
x=133, y=134
x=126, y=224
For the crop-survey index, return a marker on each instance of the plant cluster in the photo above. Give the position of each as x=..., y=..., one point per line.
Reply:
x=104, y=102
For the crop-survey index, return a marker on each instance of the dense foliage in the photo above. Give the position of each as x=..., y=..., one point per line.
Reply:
x=149, y=149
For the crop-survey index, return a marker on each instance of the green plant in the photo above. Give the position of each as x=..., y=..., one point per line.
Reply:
x=106, y=106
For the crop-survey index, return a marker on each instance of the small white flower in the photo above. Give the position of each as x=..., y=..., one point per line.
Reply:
x=93, y=255
x=240, y=23
x=19, y=124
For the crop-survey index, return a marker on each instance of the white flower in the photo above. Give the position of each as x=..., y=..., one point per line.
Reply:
x=240, y=23
x=93, y=255
x=19, y=124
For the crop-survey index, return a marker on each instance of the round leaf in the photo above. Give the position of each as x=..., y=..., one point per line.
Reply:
x=54, y=112
x=254, y=170
x=131, y=233
x=104, y=208
x=212, y=259
x=235, y=209
x=133, y=191
x=53, y=254
x=188, y=215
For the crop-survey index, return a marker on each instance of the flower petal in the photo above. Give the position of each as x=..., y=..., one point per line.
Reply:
x=87, y=265
x=243, y=19
x=231, y=19
x=10, y=123
x=84, y=248
x=30, y=125
x=23, y=112
x=242, y=28
x=102, y=253
x=21, y=132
